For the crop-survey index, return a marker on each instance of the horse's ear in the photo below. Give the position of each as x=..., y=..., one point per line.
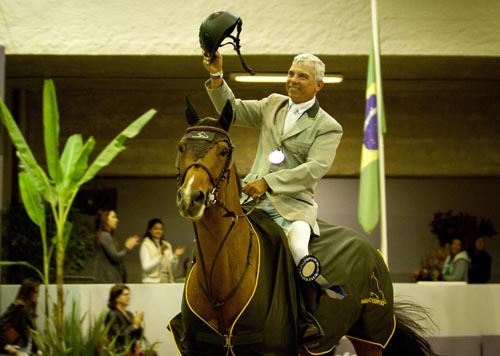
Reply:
x=227, y=116
x=191, y=114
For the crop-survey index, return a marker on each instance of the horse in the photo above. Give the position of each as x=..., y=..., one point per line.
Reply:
x=241, y=293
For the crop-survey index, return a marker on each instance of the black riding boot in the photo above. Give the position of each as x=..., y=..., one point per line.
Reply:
x=310, y=330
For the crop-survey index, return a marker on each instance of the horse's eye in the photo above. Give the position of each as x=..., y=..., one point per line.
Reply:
x=181, y=147
x=224, y=152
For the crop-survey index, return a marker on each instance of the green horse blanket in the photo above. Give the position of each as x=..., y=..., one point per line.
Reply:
x=356, y=300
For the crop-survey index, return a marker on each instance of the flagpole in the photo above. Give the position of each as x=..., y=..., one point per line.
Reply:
x=380, y=136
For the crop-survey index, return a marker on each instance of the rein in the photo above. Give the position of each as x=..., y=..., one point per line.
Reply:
x=218, y=304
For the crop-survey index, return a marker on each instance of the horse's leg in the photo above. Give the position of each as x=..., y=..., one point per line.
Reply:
x=366, y=349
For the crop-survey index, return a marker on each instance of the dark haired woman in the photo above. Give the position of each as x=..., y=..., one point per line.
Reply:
x=158, y=259
x=456, y=264
x=20, y=316
x=126, y=328
x=109, y=267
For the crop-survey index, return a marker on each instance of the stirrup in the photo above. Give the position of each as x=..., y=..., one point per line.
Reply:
x=312, y=332
x=309, y=268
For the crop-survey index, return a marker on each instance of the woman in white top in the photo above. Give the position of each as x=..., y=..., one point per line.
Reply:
x=159, y=261
x=456, y=264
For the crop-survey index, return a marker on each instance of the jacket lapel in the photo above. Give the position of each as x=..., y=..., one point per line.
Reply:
x=280, y=121
x=303, y=122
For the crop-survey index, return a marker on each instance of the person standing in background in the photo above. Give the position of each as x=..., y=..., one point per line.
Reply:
x=126, y=327
x=159, y=261
x=480, y=269
x=456, y=264
x=109, y=266
x=20, y=316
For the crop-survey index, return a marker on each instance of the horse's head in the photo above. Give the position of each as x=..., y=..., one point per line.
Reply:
x=204, y=159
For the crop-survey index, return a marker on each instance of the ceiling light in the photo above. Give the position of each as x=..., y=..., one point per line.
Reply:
x=277, y=78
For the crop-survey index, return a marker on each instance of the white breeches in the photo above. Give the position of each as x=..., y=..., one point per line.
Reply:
x=298, y=235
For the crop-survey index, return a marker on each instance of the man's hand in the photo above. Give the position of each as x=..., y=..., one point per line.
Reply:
x=214, y=68
x=256, y=188
x=216, y=65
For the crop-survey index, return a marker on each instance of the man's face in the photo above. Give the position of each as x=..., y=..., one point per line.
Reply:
x=301, y=85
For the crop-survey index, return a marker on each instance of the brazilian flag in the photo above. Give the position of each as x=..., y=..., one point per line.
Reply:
x=369, y=194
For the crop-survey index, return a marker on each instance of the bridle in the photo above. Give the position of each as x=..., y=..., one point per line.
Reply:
x=212, y=135
x=200, y=133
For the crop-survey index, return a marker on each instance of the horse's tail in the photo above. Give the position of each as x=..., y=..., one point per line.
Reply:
x=408, y=337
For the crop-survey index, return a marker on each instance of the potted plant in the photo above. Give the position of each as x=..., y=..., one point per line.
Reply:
x=447, y=226
x=55, y=190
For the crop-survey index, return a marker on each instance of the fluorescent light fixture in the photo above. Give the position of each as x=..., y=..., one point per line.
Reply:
x=277, y=78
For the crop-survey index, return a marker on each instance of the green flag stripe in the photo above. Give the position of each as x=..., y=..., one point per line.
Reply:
x=368, y=207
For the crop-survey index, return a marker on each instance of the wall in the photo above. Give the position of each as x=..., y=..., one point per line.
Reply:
x=435, y=128
x=158, y=27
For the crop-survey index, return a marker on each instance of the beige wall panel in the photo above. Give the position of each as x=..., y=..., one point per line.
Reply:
x=433, y=130
x=328, y=27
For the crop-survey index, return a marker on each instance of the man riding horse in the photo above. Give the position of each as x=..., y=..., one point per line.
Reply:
x=297, y=146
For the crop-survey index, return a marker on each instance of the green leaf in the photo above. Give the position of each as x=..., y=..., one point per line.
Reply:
x=15, y=135
x=39, y=178
x=74, y=160
x=116, y=146
x=24, y=153
x=70, y=152
x=32, y=200
x=22, y=263
x=51, y=130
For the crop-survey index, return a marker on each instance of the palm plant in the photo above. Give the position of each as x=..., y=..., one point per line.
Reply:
x=57, y=189
x=78, y=341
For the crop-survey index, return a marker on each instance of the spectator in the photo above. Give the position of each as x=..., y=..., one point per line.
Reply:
x=480, y=269
x=456, y=264
x=126, y=328
x=109, y=267
x=159, y=261
x=20, y=317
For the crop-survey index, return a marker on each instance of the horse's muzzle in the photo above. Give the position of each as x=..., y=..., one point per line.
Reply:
x=191, y=204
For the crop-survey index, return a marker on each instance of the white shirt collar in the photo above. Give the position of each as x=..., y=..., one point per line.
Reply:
x=302, y=107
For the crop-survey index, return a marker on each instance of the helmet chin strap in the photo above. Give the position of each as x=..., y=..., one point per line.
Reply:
x=236, y=45
x=237, y=49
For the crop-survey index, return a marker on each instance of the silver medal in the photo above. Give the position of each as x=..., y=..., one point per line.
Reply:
x=276, y=157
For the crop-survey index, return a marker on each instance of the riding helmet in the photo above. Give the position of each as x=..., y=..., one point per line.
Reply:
x=215, y=28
